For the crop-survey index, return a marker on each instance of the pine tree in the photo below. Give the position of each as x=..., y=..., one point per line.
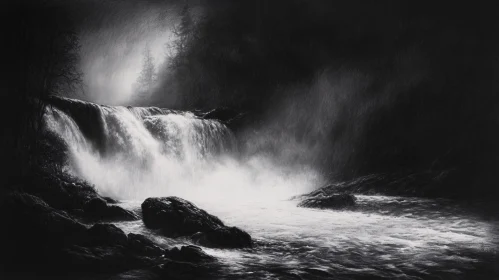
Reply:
x=147, y=76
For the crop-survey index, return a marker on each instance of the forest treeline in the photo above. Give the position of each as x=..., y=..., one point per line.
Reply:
x=41, y=56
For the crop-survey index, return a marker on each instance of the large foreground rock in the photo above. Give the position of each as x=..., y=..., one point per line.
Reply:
x=61, y=190
x=177, y=217
x=47, y=243
x=38, y=241
x=334, y=201
x=107, y=234
x=65, y=192
x=28, y=221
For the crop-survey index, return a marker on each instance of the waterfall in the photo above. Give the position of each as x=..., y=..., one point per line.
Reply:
x=133, y=153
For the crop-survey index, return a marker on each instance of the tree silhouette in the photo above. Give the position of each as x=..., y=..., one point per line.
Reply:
x=147, y=77
x=43, y=54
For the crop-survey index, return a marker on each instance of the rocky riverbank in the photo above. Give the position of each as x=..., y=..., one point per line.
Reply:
x=58, y=227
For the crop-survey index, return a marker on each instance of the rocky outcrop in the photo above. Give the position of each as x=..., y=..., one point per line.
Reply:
x=78, y=197
x=29, y=221
x=176, y=217
x=61, y=191
x=48, y=243
x=334, y=201
x=426, y=183
x=188, y=254
x=107, y=234
x=143, y=245
x=98, y=209
x=224, y=237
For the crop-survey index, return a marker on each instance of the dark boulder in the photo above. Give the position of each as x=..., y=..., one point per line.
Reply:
x=60, y=190
x=224, y=237
x=55, y=246
x=30, y=221
x=33, y=232
x=107, y=234
x=177, y=217
x=335, y=201
x=95, y=205
x=143, y=245
x=188, y=254
x=97, y=208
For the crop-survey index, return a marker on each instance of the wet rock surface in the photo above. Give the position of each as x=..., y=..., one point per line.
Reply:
x=98, y=209
x=107, y=234
x=29, y=221
x=143, y=245
x=223, y=237
x=334, y=201
x=188, y=254
x=176, y=217
x=61, y=191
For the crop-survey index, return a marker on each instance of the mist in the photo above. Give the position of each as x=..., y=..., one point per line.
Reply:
x=113, y=36
x=354, y=88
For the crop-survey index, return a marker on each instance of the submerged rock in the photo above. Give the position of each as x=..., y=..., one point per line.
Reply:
x=335, y=201
x=188, y=254
x=97, y=208
x=177, y=217
x=226, y=237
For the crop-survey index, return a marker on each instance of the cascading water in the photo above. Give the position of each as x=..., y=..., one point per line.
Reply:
x=134, y=153
x=141, y=152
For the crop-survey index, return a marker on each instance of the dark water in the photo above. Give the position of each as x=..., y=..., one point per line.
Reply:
x=384, y=237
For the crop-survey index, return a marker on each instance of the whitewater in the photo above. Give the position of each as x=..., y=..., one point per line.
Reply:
x=149, y=152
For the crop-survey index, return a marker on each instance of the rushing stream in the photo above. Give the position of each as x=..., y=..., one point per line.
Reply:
x=141, y=153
